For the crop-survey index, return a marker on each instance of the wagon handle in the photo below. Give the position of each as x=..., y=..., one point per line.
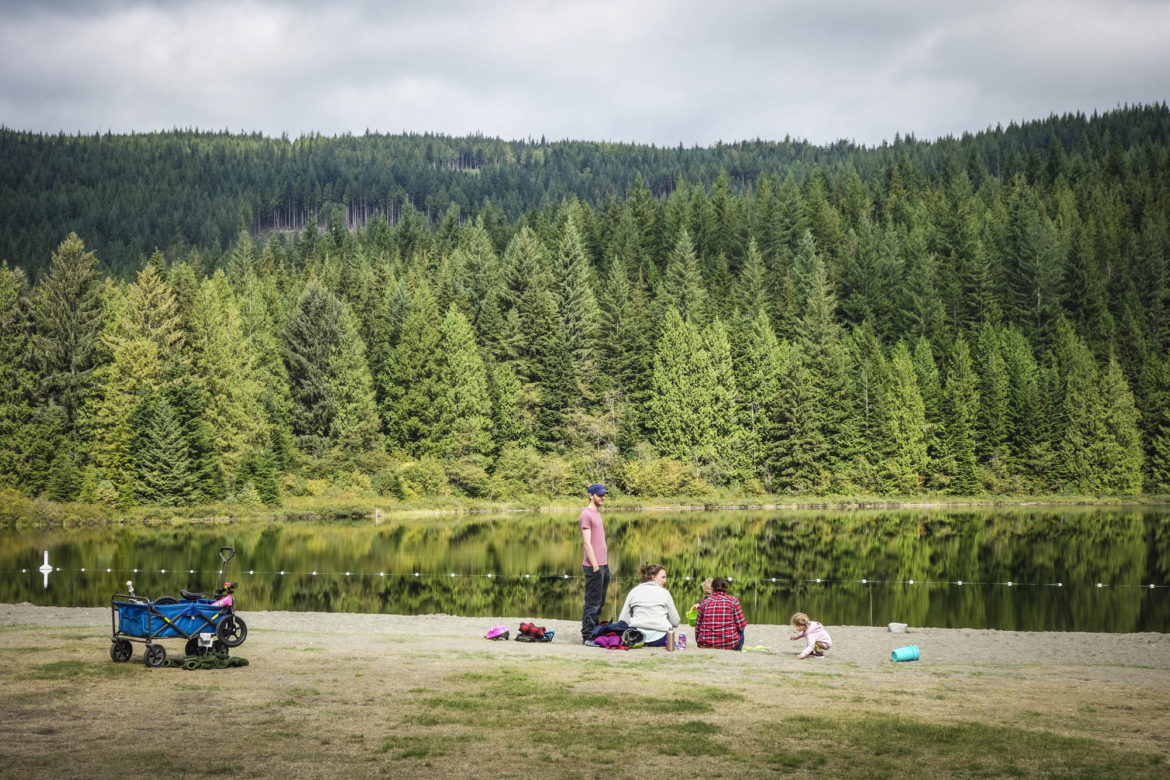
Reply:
x=231, y=553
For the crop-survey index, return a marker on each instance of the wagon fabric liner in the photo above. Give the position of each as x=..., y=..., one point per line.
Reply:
x=160, y=621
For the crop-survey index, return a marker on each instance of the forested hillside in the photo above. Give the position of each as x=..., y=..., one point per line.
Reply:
x=191, y=317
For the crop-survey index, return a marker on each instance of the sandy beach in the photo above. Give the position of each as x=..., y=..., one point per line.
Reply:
x=394, y=695
x=854, y=646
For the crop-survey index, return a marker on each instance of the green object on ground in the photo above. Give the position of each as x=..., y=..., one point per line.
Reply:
x=208, y=661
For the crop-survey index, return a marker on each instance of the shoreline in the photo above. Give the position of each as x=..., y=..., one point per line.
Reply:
x=17, y=511
x=856, y=647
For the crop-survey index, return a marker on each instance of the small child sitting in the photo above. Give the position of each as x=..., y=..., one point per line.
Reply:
x=814, y=633
x=707, y=591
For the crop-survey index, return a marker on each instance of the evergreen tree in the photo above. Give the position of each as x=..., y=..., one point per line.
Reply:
x=64, y=479
x=67, y=315
x=801, y=452
x=682, y=285
x=16, y=380
x=1028, y=418
x=993, y=420
x=576, y=303
x=904, y=425
x=511, y=422
x=1156, y=424
x=464, y=426
x=961, y=409
x=187, y=399
x=1122, y=456
x=681, y=406
x=411, y=383
x=825, y=365
x=225, y=369
x=257, y=475
x=530, y=304
x=764, y=365
x=930, y=386
x=163, y=463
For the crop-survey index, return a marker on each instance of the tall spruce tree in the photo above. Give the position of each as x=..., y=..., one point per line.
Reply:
x=961, y=410
x=224, y=367
x=16, y=380
x=463, y=426
x=681, y=405
x=904, y=425
x=411, y=383
x=67, y=318
x=163, y=462
x=764, y=365
x=682, y=284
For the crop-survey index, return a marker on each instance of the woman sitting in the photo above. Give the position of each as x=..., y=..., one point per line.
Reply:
x=649, y=606
x=720, y=623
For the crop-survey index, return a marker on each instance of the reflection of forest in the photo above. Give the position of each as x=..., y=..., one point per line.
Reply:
x=1054, y=559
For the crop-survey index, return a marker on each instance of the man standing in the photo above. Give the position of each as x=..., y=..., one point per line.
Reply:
x=596, y=565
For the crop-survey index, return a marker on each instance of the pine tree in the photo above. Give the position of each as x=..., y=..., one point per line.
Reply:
x=187, y=399
x=224, y=367
x=764, y=365
x=411, y=383
x=64, y=479
x=1028, y=442
x=930, y=385
x=825, y=368
x=16, y=381
x=464, y=427
x=682, y=284
x=961, y=409
x=511, y=422
x=163, y=465
x=576, y=303
x=67, y=315
x=529, y=299
x=993, y=420
x=727, y=440
x=751, y=288
x=681, y=405
x=1122, y=456
x=1081, y=430
x=801, y=452
x=904, y=425
x=1156, y=424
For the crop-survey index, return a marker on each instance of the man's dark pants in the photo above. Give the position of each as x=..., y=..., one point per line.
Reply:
x=596, y=583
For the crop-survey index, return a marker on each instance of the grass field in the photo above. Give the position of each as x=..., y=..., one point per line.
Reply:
x=371, y=705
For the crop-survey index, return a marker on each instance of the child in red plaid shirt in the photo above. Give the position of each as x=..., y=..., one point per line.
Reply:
x=720, y=623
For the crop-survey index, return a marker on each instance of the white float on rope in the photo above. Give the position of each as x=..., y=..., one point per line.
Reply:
x=46, y=567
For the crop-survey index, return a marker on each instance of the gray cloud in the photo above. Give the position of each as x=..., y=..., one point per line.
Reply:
x=654, y=71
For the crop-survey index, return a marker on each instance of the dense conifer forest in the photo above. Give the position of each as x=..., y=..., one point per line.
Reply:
x=192, y=317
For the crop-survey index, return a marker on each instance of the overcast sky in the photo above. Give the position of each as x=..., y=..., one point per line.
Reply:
x=646, y=71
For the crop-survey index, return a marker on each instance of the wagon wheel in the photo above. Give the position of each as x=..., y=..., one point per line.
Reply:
x=156, y=655
x=193, y=647
x=166, y=600
x=121, y=650
x=219, y=647
x=232, y=630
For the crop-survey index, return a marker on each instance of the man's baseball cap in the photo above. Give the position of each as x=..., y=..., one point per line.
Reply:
x=596, y=489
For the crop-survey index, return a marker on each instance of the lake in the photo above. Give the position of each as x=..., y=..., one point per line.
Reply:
x=1030, y=568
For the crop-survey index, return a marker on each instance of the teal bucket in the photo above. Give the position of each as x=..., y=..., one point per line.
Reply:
x=907, y=653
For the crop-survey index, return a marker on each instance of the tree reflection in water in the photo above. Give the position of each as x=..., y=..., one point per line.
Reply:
x=1054, y=558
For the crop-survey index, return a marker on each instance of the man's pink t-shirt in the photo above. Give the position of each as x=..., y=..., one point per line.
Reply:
x=591, y=519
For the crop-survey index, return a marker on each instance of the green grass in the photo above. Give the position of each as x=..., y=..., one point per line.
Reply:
x=79, y=671
x=899, y=746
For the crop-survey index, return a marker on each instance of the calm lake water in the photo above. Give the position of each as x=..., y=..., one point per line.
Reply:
x=1051, y=569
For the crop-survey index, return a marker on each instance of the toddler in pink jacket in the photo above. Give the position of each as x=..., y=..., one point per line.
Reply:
x=814, y=633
